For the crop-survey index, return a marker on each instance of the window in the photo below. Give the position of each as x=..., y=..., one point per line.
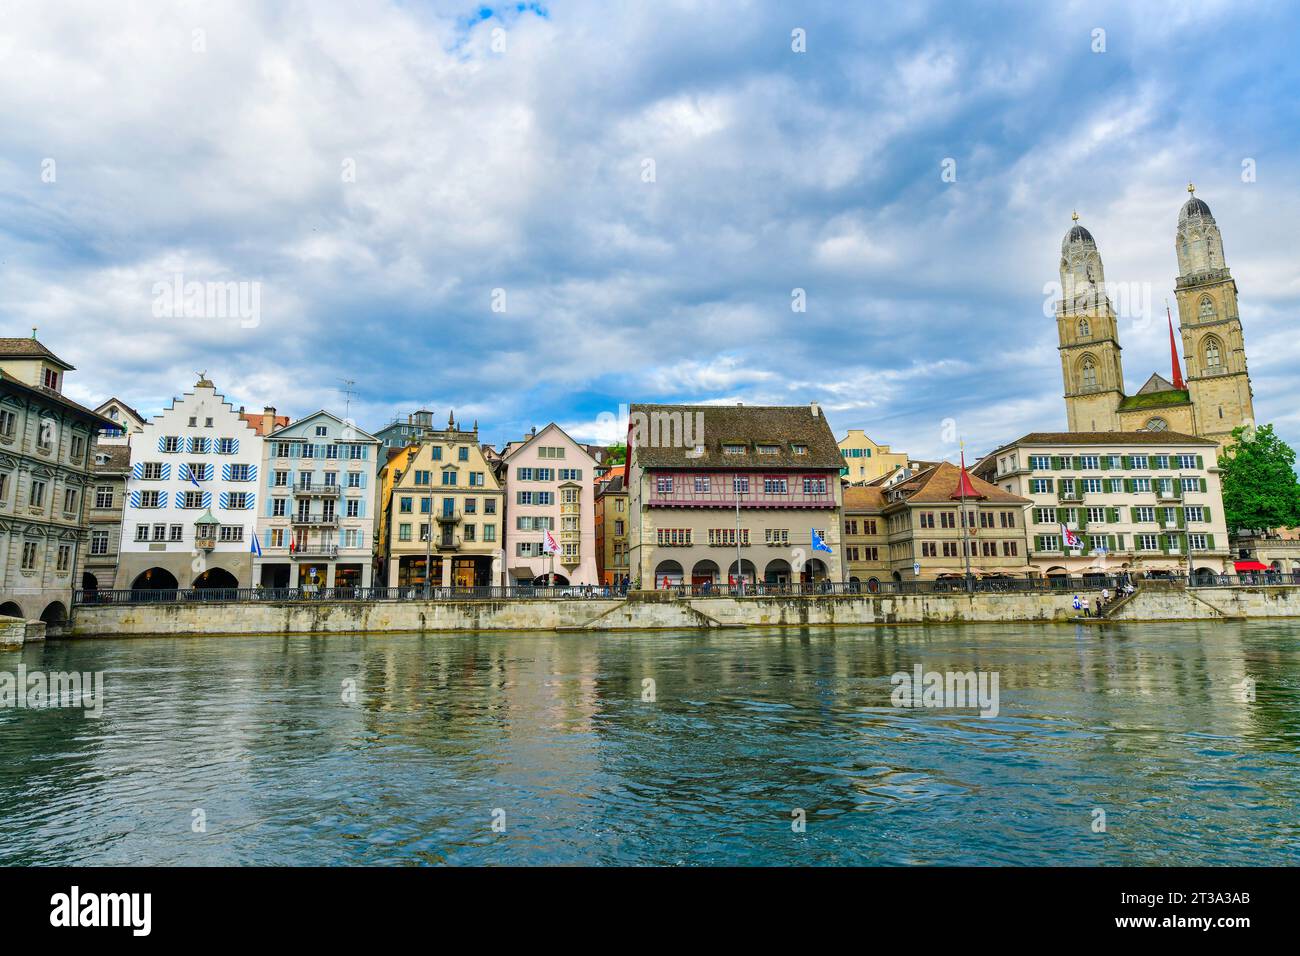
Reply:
x=1010, y=549
x=674, y=537
x=321, y=431
x=1141, y=484
x=171, y=444
x=489, y=532
x=768, y=449
x=243, y=473
x=733, y=449
x=354, y=479
x=1092, y=462
x=356, y=453
x=142, y=532
x=1148, y=542
x=150, y=499
x=740, y=485
x=1191, y=484
x=1096, y=515
x=570, y=474
x=1194, y=513
x=78, y=444
x=663, y=485
x=404, y=532
x=353, y=508
x=489, y=506
x=1139, y=462
x=1089, y=373
x=799, y=449
x=1092, y=485
x=726, y=537
x=814, y=486
x=226, y=446
x=1186, y=461
x=776, y=536
x=281, y=479
x=4, y=487
x=462, y=453
x=1196, y=542
x=476, y=479
x=929, y=549
x=1008, y=519
x=99, y=542
x=1050, y=542
x=199, y=446
x=1084, y=329
x=29, y=555
x=232, y=532
x=1144, y=514
x=1115, y=485
x=176, y=532
x=422, y=477
x=279, y=507
x=925, y=519
x=702, y=484
x=775, y=486
x=404, y=505
x=193, y=499
x=8, y=424
x=282, y=449
x=151, y=471
x=1160, y=462
x=1040, y=486
x=69, y=500
x=160, y=532
x=1212, y=357
x=544, y=451
x=238, y=501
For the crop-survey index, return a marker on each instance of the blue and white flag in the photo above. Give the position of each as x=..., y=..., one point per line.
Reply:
x=256, y=546
x=1078, y=605
x=818, y=544
x=189, y=473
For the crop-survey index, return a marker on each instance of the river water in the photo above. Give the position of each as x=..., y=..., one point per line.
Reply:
x=746, y=747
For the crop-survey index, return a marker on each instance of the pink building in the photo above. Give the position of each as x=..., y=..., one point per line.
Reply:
x=548, y=487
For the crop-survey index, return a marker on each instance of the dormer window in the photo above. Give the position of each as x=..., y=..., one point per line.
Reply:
x=799, y=449
x=768, y=449
x=733, y=449
x=51, y=379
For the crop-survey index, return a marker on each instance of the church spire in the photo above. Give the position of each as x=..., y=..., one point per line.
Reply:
x=1173, y=350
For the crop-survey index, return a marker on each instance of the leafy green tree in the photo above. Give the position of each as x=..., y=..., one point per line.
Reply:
x=616, y=454
x=1260, y=489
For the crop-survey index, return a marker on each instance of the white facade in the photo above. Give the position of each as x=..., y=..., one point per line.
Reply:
x=316, y=517
x=196, y=460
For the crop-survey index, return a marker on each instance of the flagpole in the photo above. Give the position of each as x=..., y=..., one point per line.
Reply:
x=965, y=524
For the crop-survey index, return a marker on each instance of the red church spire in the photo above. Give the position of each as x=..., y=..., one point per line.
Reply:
x=965, y=488
x=1173, y=350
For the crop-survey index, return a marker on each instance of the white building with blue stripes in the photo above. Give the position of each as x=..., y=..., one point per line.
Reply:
x=192, y=498
x=317, y=516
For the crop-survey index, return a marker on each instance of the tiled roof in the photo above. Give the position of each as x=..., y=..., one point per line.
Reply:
x=28, y=348
x=119, y=458
x=864, y=498
x=255, y=420
x=938, y=484
x=750, y=425
x=49, y=395
x=1114, y=439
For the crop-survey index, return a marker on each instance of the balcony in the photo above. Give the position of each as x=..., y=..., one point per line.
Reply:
x=205, y=542
x=1075, y=495
x=315, y=551
x=688, y=497
x=316, y=491
x=449, y=517
x=447, y=543
x=1173, y=493
x=315, y=520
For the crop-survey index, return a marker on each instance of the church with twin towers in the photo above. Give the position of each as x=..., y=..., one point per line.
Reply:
x=1213, y=399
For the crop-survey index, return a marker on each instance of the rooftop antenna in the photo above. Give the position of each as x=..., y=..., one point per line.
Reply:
x=348, y=391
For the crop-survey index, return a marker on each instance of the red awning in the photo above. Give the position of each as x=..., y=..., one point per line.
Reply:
x=1250, y=566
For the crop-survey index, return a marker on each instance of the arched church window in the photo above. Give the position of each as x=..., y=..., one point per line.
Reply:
x=1084, y=329
x=1089, y=373
x=1156, y=425
x=1206, y=310
x=1212, y=358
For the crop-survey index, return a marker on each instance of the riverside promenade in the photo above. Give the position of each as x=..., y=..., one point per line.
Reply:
x=218, y=612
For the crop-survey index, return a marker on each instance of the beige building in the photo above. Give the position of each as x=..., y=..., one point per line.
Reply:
x=709, y=483
x=1216, y=396
x=864, y=460
x=46, y=471
x=1139, y=502
x=611, y=525
x=443, y=509
x=106, y=504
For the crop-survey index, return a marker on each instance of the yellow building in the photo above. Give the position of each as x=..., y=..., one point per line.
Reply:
x=864, y=460
x=441, y=507
x=1216, y=396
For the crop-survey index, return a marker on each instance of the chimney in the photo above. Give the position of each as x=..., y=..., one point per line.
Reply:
x=268, y=419
x=816, y=409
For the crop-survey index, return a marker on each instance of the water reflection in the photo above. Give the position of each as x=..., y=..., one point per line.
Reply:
x=264, y=736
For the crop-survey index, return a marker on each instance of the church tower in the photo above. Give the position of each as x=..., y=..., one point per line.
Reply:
x=1214, y=352
x=1089, y=337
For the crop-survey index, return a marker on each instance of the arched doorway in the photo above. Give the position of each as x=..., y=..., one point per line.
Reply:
x=10, y=609
x=704, y=573
x=777, y=572
x=814, y=571
x=668, y=574
x=746, y=569
x=54, y=613
x=215, y=578
x=89, y=582
x=542, y=580
x=1204, y=576
x=155, y=579
x=1058, y=577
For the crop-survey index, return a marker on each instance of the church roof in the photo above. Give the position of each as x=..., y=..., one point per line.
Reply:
x=1079, y=234
x=1155, y=395
x=1195, y=207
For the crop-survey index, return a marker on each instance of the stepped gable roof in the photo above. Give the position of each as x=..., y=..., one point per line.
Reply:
x=783, y=426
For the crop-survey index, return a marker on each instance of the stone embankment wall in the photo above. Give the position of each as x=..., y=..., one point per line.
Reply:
x=659, y=610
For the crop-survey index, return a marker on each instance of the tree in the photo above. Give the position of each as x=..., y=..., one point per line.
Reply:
x=616, y=454
x=1260, y=490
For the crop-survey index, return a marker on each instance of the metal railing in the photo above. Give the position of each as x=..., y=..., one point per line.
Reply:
x=413, y=592
x=1246, y=579
x=990, y=585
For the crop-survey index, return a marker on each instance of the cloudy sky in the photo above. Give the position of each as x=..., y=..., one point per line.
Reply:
x=543, y=211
